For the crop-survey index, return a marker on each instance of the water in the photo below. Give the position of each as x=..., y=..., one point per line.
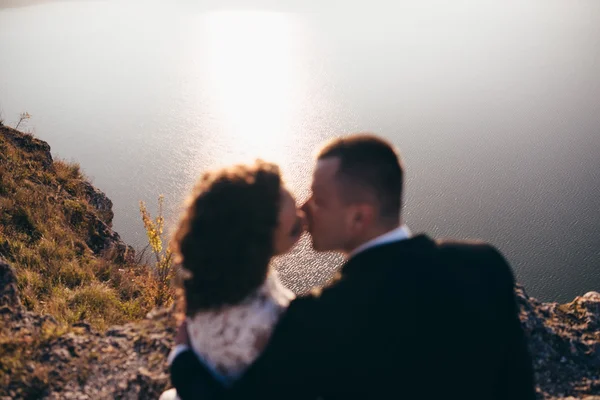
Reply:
x=494, y=106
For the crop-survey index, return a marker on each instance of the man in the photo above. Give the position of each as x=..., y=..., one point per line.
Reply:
x=408, y=318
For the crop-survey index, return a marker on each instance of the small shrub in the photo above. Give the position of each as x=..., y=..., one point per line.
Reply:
x=135, y=308
x=33, y=288
x=66, y=171
x=75, y=211
x=27, y=277
x=57, y=304
x=72, y=275
x=130, y=285
x=126, y=281
x=98, y=304
x=101, y=269
x=162, y=270
x=50, y=250
x=26, y=256
x=80, y=248
x=96, y=298
x=23, y=222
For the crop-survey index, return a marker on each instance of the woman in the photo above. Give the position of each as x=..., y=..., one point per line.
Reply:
x=237, y=219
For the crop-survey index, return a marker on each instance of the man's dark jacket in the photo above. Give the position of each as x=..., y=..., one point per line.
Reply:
x=413, y=319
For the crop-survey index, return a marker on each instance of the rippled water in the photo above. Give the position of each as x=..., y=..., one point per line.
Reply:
x=495, y=107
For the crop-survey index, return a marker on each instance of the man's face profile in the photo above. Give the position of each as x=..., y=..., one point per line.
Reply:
x=325, y=209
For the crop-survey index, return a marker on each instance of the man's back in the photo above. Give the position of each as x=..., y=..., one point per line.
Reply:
x=408, y=319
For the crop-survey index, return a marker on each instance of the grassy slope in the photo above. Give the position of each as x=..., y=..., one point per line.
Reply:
x=45, y=219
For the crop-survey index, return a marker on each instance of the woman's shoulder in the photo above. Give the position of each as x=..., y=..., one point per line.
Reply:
x=231, y=337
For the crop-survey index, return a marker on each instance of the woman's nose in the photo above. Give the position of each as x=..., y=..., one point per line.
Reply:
x=302, y=218
x=301, y=214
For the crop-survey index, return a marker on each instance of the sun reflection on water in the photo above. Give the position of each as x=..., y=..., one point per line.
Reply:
x=253, y=78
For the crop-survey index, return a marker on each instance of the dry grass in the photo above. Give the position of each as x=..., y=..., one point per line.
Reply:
x=44, y=219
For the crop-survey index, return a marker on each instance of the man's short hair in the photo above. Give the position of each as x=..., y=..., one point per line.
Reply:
x=371, y=164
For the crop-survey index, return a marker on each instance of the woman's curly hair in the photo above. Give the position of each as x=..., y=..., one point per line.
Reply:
x=224, y=241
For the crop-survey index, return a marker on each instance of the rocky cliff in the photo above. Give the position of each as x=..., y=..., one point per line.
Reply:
x=27, y=164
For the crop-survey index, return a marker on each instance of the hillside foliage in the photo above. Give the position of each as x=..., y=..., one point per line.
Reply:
x=69, y=262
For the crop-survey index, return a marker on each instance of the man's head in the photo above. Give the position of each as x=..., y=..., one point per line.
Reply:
x=356, y=192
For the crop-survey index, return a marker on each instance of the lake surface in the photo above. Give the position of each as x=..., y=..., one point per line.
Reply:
x=494, y=106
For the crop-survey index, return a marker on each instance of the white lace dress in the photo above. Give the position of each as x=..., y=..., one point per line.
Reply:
x=229, y=339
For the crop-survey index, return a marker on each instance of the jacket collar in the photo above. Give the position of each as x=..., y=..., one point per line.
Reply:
x=417, y=244
x=395, y=235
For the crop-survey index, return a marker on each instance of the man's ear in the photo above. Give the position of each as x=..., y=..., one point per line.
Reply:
x=362, y=217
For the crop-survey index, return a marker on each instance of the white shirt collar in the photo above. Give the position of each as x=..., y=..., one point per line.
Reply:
x=400, y=233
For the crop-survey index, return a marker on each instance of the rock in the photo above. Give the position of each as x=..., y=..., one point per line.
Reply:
x=564, y=341
x=117, y=331
x=144, y=384
x=83, y=325
x=102, y=204
x=100, y=366
x=44, y=319
x=161, y=312
x=61, y=354
x=9, y=294
x=39, y=149
x=590, y=302
x=105, y=242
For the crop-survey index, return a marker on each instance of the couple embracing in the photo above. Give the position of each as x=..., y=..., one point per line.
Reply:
x=407, y=316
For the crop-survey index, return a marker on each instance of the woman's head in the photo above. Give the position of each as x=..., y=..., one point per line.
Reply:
x=236, y=219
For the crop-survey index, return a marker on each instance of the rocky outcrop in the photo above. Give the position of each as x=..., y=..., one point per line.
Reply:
x=14, y=318
x=125, y=362
x=102, y=240
x=564, y=340
x=102, y=204
x=9, y=295
x=89, y=209
x=37, y=149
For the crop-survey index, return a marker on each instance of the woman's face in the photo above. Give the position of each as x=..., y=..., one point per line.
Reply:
x=291, y=223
